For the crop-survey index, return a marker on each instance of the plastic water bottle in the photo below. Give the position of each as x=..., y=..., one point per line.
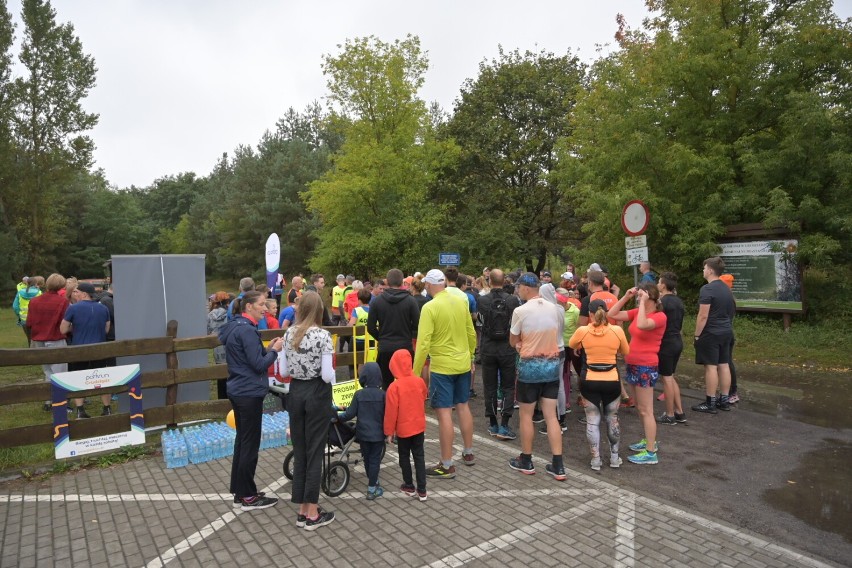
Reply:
x=168, y=449
x=181, y=451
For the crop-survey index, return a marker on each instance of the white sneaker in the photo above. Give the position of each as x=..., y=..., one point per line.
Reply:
x=614, y=461
x=596, y=464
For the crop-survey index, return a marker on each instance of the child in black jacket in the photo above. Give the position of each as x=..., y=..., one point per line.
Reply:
x=368, y=405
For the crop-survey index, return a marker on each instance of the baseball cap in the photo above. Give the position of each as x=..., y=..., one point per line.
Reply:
x=567, y=276
x=434, y=276
x=595, y=266
x=529, y=279
x=87, y=288
x=340, y=277
x=594, y=305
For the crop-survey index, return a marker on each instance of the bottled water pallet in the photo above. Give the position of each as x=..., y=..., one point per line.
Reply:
x=215, y=440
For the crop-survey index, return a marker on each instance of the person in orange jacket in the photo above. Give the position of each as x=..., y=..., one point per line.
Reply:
x=405, y=416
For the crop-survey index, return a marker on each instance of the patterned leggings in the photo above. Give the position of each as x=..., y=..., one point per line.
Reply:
x=593, y=423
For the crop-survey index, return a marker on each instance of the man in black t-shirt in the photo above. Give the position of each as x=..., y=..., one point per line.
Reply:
x=714, y=332
x=495, y=312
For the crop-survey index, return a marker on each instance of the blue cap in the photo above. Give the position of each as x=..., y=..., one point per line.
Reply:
x=529, y=279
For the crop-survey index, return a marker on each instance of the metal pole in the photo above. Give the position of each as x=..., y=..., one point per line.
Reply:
x=635, y=275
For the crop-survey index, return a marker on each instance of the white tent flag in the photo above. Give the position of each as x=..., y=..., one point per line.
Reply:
x=273, y=259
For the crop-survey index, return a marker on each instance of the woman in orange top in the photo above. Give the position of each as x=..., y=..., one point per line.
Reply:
x=599, y=383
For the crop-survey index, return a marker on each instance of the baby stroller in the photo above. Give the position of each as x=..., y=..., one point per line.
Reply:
x=335, y=472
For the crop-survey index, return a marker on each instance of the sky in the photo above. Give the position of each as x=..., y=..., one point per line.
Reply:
x=180, y=82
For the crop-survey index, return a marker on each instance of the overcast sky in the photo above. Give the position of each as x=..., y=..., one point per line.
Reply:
x=181, y=81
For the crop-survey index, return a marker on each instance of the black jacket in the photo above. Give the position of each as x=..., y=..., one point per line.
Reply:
x=393, y=319
x=368, y=406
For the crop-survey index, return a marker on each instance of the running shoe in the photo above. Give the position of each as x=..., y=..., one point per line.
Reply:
x=644, y=457
x=518, y=464
x=680, y=418
x=596, y=464
x=238, y=502
x=614, y=461
x=441, y=471
x=421, y=495
x=408, y=490
x=505, y=433
x=256, y=503
x=493, y=430
x=667, y=420
x=581, y=419
x=734, y=398
x=324, y=518
x=558, y=473
x=641, y=445
x=375, y=493
x=723, y=404
x=627, y=403
x=706, y=408
x=468, y=459
x=538, y=417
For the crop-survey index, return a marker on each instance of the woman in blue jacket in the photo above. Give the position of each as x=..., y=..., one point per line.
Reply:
x=247, y=385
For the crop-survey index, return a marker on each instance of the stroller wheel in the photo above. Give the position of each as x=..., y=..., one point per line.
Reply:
x=288, y=466
x=336, y=479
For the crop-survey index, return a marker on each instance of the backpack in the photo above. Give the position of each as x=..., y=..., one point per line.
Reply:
x=499, y=319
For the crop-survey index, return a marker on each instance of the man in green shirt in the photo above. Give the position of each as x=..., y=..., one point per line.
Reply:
x=446, y=335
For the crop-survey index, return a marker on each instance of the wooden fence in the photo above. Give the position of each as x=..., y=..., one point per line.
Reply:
x=170, y=414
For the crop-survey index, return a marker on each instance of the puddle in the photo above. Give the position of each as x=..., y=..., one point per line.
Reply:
x=820, y=398
x=820, y=493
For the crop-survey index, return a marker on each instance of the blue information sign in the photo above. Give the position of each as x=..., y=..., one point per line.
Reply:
x=449, y=259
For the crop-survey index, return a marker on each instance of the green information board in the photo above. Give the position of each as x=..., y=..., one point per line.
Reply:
x=766, y=275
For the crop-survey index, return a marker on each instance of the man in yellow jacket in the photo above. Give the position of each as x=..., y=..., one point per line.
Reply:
x=446, y=335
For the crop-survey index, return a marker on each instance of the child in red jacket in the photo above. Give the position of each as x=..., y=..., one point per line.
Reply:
x=405, y=416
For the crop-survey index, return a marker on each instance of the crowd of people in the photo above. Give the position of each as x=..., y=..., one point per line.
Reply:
x=532, y=336
x=63, y=311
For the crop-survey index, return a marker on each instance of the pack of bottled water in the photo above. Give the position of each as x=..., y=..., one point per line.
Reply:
x=199, y=443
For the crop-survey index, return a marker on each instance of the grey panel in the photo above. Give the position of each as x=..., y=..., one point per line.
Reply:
x=150, y=290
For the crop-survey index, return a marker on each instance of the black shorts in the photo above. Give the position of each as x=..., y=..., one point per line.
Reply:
x=86, y=365
x=529, y=393
x=668, y=362
x=600, y=393
x=713, y=349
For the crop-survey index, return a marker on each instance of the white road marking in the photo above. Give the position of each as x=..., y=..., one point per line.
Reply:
x=502, y=541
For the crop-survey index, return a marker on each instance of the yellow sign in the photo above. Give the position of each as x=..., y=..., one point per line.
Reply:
x=343, y=392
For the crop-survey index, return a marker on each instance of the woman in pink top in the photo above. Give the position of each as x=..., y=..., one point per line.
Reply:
x=647, y=326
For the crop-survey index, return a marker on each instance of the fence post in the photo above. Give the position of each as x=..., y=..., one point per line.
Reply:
x=172, y=365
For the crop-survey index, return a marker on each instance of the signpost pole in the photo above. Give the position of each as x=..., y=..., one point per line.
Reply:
x=635, y=276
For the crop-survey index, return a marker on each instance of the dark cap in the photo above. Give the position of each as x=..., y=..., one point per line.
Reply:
x=87, y=288
x=595, y=305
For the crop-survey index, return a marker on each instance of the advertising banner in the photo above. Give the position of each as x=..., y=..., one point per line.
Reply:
x=766, y=275
x=273, y=259
x=63, y=385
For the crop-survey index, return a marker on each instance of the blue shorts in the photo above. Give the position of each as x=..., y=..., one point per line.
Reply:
x=642, y=376
x=446, y=391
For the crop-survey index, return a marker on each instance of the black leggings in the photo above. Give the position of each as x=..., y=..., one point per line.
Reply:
x=309, y=405
x=408, y=447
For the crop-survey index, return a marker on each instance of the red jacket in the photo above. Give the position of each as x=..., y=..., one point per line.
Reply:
x=44, y=316
x=405, y=413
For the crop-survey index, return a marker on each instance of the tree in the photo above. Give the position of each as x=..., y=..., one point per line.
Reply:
x=719, y=113
x=374, y=203
x=10, y=260
x=49, y=125
x=507, y=122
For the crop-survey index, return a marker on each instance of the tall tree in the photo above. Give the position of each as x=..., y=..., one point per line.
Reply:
x=374, y=203
x=507, y=122
x=718, y=113
x=10, y=260
x=49, y=124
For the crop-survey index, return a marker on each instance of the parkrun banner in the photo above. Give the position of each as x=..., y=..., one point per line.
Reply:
x=766, y=275
x=63, y=385
x=273, y=260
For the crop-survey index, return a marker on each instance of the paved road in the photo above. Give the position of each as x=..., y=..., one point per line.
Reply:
x=140, y=514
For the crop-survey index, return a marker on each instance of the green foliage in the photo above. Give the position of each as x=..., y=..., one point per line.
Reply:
x=718, y=113
x=374, y=204
x=507, y=122
x=49, y=123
